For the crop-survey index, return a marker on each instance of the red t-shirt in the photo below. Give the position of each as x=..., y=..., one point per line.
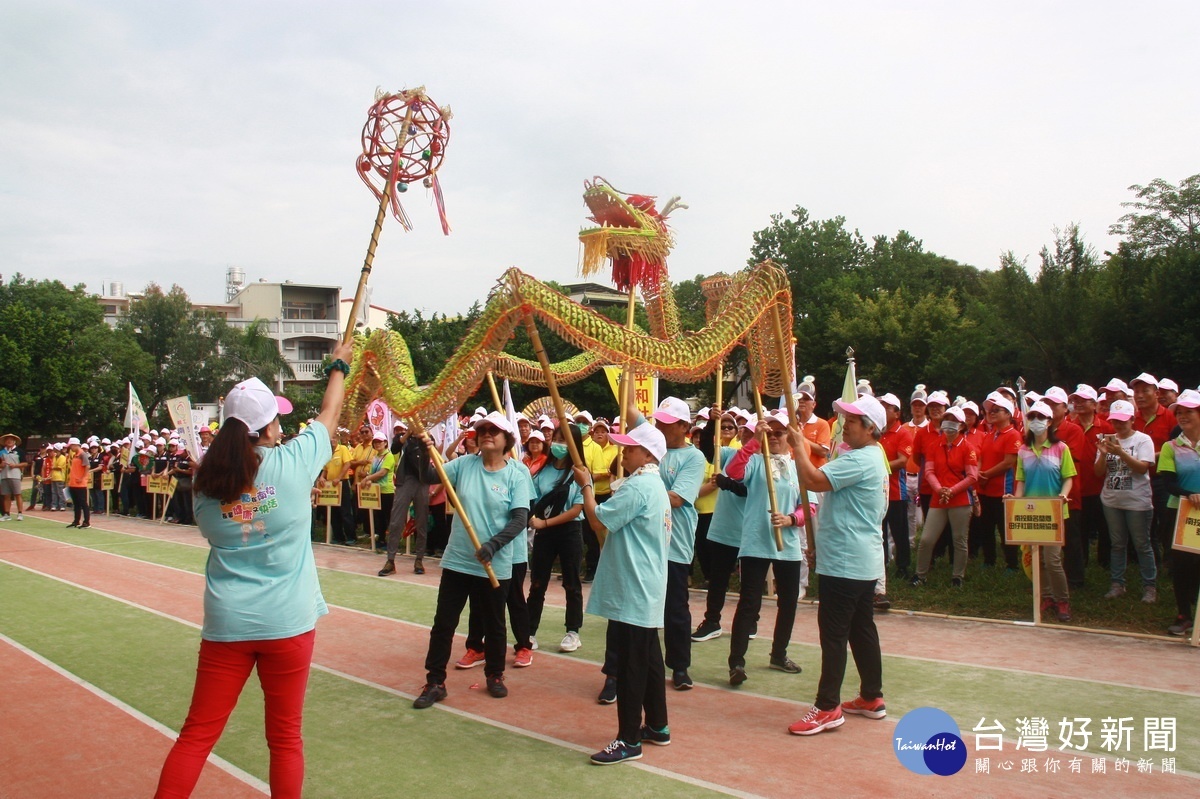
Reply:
x=950, y=464
x=1071, y=434
x=896, y=441
x=924, y=438
x=1089, y=484
x=1158, y=427
x=995, y=446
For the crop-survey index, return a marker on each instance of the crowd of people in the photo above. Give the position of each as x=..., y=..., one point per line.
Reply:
x=722, y=490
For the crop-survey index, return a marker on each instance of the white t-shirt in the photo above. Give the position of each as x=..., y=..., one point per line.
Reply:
x=1124, y=488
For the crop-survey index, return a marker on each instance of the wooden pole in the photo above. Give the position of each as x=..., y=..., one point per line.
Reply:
x=559, y=408
x=1037, y=584
x=452, y=495
x=717, y=421
x=782, y=348
x=626, y=401
x=328, y=524
x=491, y=381
x=760, y=428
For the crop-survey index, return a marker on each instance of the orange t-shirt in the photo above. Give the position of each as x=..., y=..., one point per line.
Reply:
x=79, y=472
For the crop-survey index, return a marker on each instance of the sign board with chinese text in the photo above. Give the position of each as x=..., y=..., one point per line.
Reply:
x=1036, y=521
x=158, y=484
x=1187, y=527
x=368, y=498
x=330, y=495
x=108, y=481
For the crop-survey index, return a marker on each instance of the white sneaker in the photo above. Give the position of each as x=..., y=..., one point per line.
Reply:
x=5, y=518
x=20, y=517
x=533, y=643
x=570, y=642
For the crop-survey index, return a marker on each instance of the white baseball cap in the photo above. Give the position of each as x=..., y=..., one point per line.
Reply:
x=151, y=451
x=672, y=410
x=1145, y=377
x=587, y=417
x=535, y=435
x=779, y=417
x=254, y=405
x=1167, y=384
x=1084, y=391
x=1118, y=386
x=1190, y=398
x=1121, y=410
x=644, y=435
x=955, y=413
x=866, y=406
x=1042, y=409
x=999, y=400
x=970, y=405
x=891, y=399
x=938, y=398
x=498, y=419
x=1056, y=394
x=72, y=442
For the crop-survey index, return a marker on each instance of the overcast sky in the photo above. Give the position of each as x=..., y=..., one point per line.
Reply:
x=168, y=141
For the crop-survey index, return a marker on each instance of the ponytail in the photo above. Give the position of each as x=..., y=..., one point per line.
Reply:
x=230, y=465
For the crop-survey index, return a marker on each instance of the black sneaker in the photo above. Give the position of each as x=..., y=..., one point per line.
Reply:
x=916, y=580
x=737, y=676
x=608, y=694
x=418, y=566
x=657, y=737
x=956, y=582
x=681, y=680
x=388, y=568
x=496, y=686
x=785, y=665
x=1182, y=626
x=706, y=632
x=432, y=692
x=882, y=602
x=617, y=752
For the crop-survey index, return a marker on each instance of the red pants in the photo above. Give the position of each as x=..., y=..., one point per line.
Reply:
x=221, y=673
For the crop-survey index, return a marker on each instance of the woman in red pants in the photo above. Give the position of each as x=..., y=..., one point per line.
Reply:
x=261, y=599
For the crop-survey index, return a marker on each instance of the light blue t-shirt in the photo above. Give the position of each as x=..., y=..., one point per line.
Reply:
x=545, y=480
x=758, y=536
x=519, y=548
x=631, y=578
x=726, y=525
x=682, y=471
x=851, y=515
x=488, y=498
x=260, y=582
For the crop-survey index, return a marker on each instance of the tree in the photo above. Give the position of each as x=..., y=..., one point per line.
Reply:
x=1166, y=217
x=61, y=367
x=250, y=352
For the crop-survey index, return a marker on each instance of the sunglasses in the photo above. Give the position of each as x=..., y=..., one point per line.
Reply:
x=489, y=430
x=728, y=427
x=776, y=433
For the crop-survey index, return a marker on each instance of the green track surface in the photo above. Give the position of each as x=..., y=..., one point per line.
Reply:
x=967, y=693
x=358, y=741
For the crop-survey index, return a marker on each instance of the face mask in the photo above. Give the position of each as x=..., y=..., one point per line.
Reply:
x=558, y=450
x=1037, y=426
x=584, y=429
x=950, y=427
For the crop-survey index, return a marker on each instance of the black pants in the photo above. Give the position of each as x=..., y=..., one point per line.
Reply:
x=722, y=560
x=343, y=517
x=845, y=615
x=518, y=615
x=440, y=534
x=896, y=523
x=702, y=552
x=641, y=683
x=79, y=499
x=564, y=542
x=1095, y=526
x=591, y=544
x=991, y=525
x=1185, y=571
x=1162, y=525
x=745, y=618
x=382, y=515
x=454, y=592
x=1072, y=553
x=677, y=618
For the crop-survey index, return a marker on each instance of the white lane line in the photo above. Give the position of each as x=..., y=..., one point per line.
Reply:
x=684, y=778
x=810, y=646
x=219, y=762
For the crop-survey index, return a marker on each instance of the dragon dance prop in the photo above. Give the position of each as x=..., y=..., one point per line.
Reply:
x=744, y=311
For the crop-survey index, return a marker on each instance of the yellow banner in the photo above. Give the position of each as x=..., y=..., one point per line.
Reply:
x=368, y=497
x=1187, y=527
x=330, y=495
x=645, y=389
x=158, y=484
x=1033, y=520
x=108, y=482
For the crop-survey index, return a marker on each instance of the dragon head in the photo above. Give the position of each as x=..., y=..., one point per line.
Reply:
x=629, y=231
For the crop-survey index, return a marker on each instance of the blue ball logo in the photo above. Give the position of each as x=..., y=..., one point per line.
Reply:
x=928, y=741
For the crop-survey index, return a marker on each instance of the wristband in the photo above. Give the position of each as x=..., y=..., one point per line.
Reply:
x=339, y=365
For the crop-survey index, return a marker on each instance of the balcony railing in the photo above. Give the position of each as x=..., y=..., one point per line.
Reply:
x=306, y=370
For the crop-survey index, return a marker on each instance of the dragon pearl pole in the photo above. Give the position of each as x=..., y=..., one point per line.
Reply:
x=766, y=456
x=717, y=421
x=781, y=353
x=626, y=400
x=384, y=199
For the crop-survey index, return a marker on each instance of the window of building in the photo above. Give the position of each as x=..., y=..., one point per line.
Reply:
x=312, y=350
x=303, y=310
